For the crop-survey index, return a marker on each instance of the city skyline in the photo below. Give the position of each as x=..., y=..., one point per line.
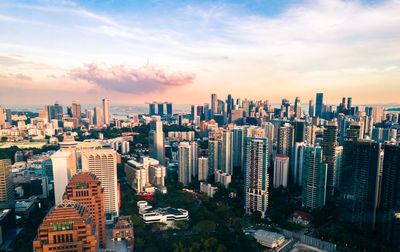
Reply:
x=181, y=51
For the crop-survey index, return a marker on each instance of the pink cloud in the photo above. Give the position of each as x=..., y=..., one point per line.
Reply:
x=122, y=78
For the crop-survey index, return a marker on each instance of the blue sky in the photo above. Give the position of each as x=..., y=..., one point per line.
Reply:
x=181, y=51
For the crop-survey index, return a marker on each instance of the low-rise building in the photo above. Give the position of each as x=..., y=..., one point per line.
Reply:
x=146, y=176
x=123, y=230
x=301, y=218
x=269, y=239
x=223, y=178
x=208, y=189
x=164, y=215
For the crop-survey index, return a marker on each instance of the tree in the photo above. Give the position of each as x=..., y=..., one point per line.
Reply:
x=4, y=139
x=205, y=227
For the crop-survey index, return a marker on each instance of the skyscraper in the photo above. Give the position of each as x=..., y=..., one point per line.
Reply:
x=256, y=176
x=214, y=105
x=58, y=110
x=67, y=227
x=6, y=183
x=169, y=109
x=50, y=112
x=2, y=118
x=76, y=110
x=349, y=104
x=299, y=131
x=152, y=109
x=156, y=140
x=64, y=167
x=388, y=221
x=193, y=112
x=8, y=115
x=160, y=109
x=359, y=183
x=85, y=189
x=103, y=164
x=319, y=104
x=185, y=163
x=98, y=117
x=314, y=178
x=329, y=155
x=281, y=170
x=297, y=108
x=106, y=111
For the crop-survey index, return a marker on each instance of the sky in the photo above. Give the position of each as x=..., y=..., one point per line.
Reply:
x=181, y=51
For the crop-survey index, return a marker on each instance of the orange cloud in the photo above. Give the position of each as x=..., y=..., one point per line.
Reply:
x=122, y=78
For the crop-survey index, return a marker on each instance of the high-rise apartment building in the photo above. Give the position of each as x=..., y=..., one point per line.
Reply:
x=85, y=189
x=156, y=140
x=203, y=168
x=67, y=227
x=185, y=163
x=256, y=176
x=314, y=178
x=319, y=104
x=212, y=156
x=285, y=140
x=225, y=153
x=106, y=111
x=298, y=161
x=103, y=164
x=237, y=146
x=388, y=221
x=6, y=183
x=281, y=170
x=329, y=145
x=359, y=183
x=195, y=155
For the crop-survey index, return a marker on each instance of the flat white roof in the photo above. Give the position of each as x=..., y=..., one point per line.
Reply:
x=60, y=154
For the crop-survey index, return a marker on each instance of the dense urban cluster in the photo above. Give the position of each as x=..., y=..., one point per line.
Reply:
x=282, y=177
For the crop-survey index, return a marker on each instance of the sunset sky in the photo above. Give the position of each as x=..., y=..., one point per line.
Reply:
x=182, y=51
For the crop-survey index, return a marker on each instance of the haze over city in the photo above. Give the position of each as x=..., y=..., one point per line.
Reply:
x=181, y=51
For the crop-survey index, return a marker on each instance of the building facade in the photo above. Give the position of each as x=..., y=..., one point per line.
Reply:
x=256, y=176
x=103, y=164
x=67, y=227
x=85, y=189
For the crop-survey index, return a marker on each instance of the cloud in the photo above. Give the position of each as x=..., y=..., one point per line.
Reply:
x=124, y=79
x=22, y=77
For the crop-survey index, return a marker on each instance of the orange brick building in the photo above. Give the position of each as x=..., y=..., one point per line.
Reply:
x=67, y=227
x=85, y=189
